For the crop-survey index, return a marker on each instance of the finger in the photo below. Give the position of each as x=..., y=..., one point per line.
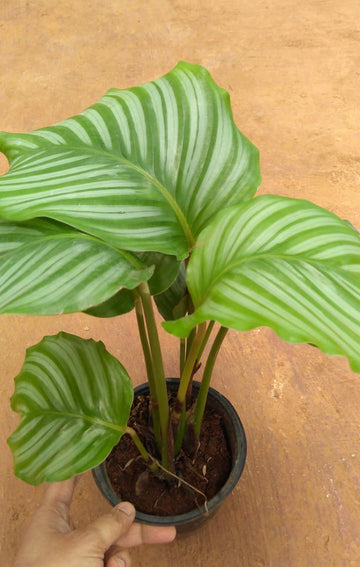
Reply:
x=60, y=492
x=110, y=527
x=53, y=514
x=157, y=534
x=117, y=557
x=140, y=533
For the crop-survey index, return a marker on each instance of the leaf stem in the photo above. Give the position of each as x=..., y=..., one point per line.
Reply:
x=182, y=355
x=179, y=413
x=189, y=366
x=143, y=452
x=205, y=383
x=205, y=340
x=149, y=368
x=158, y=370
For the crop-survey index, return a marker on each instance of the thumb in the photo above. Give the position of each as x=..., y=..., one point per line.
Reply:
x=107, y=529
x=53, y=515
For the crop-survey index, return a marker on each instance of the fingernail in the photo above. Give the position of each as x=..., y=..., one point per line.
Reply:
x=120, y=562
x=127, y=508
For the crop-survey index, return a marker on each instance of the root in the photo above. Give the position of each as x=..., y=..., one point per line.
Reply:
x=181, y=481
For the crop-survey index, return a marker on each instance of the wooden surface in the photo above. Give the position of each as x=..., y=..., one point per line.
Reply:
x=292, y=69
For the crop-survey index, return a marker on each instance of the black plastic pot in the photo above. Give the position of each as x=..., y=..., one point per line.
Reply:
x=237, y=442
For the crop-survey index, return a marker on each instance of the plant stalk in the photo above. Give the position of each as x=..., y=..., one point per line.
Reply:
x=179, y=411
x=182, y=355
x=149, y=368
x=205, y=383
x=188, y=368
x=143, y=452
x=158, y=370
x=205, y=340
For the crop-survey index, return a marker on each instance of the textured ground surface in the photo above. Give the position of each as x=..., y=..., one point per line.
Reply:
x=293, y=73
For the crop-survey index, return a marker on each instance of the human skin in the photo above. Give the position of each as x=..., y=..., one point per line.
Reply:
x=50, y=540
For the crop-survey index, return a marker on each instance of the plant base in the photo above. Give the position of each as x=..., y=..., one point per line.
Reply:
x=213, y=473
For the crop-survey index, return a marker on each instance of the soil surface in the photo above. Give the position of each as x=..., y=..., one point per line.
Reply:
x=206, y=468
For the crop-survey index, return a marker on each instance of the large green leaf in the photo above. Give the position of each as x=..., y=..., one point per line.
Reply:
x=48, y=268
x=282, y=263
x=144, y=169
x=15, y=234
x=74, y=399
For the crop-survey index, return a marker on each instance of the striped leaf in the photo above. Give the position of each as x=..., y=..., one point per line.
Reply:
x=165, y=268
x=74, y=399
x=48, y=268
x=282, y=263
x=13, y=234
x=144, y=169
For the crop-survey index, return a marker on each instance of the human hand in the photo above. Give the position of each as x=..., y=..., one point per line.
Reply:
x=50, y=540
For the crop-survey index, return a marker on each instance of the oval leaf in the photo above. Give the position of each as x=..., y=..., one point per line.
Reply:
x=145, y=168
x=282, y=263
x=47, y=268
x=74, y=399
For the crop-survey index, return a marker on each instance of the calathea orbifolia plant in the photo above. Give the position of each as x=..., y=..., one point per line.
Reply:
x=149, y=192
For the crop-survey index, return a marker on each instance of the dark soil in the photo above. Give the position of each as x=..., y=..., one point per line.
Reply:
x=206, y=469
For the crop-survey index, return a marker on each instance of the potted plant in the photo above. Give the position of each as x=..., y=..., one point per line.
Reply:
x=148, y=194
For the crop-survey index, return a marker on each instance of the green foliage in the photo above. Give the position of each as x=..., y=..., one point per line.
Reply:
x=282, y=263
x=149, y=191
x=49, y=268
x=165, y=270
x=143, y=169
x=74, y=399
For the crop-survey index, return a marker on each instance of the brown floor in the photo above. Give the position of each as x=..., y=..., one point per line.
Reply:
x=292, y=69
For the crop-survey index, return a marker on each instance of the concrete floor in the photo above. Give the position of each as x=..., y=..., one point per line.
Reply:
x=292, y=70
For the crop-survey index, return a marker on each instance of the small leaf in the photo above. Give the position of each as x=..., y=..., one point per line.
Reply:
x=119, y=304
x=166, y=269
x=74, y=399
x=282, y=263
x=172, y=303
